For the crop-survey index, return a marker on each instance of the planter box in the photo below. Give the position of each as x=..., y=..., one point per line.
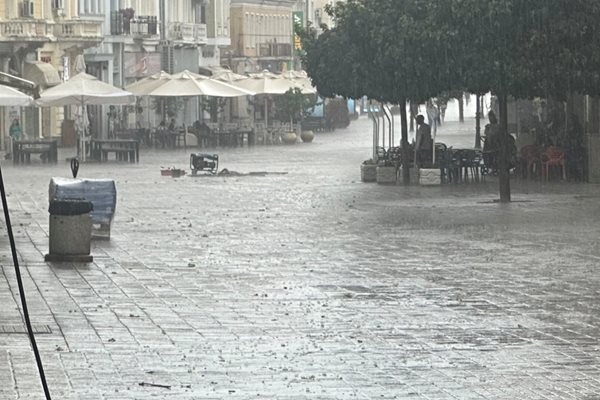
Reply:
x=386, y=175
x=430, y=177
x=368, y=172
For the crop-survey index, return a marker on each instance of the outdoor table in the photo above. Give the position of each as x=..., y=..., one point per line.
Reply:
x=168, y=138
x=140, y=134
x=235, y=137
x=124, y=149
x=23, y=149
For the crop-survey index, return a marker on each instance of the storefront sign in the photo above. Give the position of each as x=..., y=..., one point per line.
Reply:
x=298, y=20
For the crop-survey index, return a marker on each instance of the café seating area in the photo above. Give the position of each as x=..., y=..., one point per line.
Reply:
x=208, y=135
x=469, y=165
x=46, y=149
x=542, y=163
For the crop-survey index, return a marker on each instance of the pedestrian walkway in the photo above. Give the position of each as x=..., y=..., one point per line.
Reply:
x=307, y=285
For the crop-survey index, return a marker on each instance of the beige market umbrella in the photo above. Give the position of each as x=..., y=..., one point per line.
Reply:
x=228, y=76
x=266, y=82
x=12, y=97
x=188, y=84
x=301, y=79
x=82, y=90
x=145, y=86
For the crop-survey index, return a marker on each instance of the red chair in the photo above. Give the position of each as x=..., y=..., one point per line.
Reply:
x=530, y=160
x=553, y=156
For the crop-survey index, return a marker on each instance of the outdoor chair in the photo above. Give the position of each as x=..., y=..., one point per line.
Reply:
x=530, y=160
x=553, y=157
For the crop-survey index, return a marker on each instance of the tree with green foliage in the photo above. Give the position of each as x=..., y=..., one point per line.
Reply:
x=379, y=49
x=399, y=50
x=293, y=105
x=523, y=48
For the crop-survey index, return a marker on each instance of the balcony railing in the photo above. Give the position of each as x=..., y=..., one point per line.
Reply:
x=143, y=25
x=275, y=50
x=32, y=30
x=188, y=32
x=78, y=29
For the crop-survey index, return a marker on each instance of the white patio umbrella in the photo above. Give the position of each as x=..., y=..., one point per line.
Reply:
x=227, y=76
x=187, y=84
x=81, y=90
x=300, y=78
x=12, y=97
x=266, y=82
x=145, y=86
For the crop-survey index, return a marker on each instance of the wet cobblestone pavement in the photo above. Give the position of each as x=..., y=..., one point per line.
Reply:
x=308, y=285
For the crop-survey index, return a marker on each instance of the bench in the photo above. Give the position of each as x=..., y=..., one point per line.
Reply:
x=121, y=154
x=23, y=149
x=124, y=149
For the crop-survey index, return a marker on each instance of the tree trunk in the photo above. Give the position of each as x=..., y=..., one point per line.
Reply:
x=478, y=123
x=404, y=142
x=461, y=108
x=503, y=161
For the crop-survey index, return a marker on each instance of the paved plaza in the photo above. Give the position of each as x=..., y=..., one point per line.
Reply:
x=308, y=284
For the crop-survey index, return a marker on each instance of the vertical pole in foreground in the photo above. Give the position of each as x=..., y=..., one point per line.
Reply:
x=478, y=123
x=504, y=151
x=404, y=141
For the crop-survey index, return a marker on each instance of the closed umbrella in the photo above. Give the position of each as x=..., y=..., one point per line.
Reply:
x=81, y=90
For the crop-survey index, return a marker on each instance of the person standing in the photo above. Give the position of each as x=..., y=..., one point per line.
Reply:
x=433, y=116
x=424, y=143
x=491, y=145
x=15, y=132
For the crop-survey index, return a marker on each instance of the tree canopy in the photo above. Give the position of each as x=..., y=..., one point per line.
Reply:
x=398, y=50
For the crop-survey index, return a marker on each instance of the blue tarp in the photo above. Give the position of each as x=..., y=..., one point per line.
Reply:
x=102, y=193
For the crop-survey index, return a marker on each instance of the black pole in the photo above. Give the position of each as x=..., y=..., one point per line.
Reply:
x=503, y=162
x=13, y=248
x=478, y=123
x=405, y=149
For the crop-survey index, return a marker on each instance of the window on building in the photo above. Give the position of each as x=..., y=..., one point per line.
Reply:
x=246, y=31
x=90, y=7
x=253, y=30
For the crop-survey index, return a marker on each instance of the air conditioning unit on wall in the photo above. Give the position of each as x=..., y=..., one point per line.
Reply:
x=27, y=9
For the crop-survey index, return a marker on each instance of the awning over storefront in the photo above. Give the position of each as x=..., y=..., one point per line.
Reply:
x=42, y=73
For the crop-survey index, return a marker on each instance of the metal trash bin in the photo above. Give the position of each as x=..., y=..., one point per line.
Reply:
x=70, y=230
x=101, y=192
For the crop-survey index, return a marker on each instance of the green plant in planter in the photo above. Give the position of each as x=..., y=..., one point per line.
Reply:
x=293, y=105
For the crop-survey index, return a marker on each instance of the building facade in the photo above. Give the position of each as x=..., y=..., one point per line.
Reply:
x=261, y=36
x=40, y=41
x=143, y=37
